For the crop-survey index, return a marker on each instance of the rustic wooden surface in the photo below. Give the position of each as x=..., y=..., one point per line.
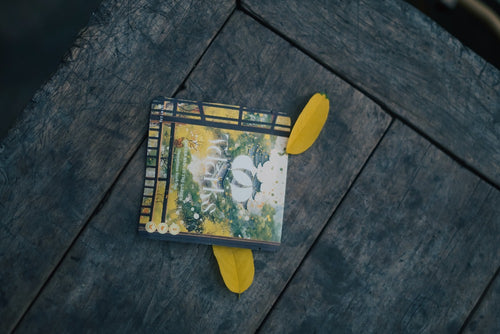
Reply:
x=182, y=281
x=405, y=62
x=416, y=238
x=390, y=225
x=83, y=126
x=486, y=319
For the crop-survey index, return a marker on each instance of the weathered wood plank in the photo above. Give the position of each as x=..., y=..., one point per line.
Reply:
x=406, y=62
x=113, y=279
x=83, y=126
x=410, y=249
x=486, y=318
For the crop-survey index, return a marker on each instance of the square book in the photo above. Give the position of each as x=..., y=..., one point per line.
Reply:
x=215, y=174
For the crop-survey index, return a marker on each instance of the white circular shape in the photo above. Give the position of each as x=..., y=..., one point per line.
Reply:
x=174, y=229
x=162, y=228
x=150, y=227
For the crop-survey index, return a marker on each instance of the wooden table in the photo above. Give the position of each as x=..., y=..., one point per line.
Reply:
x=392, y=219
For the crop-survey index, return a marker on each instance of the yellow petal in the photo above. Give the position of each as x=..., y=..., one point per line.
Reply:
x=236, y=267
x=309, y=124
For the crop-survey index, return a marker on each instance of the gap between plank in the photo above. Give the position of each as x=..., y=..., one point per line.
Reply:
x=246, y=10
x=106, y=196
x=480, y=301
x=327, y=223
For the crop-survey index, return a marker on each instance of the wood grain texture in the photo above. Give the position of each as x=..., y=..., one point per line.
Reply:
x=114, y=280
x=406, y=62
x=83, y=126
x=411, y=248
x=486, y=318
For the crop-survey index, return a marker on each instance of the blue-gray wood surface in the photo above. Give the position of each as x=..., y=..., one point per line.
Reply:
x=392, y=217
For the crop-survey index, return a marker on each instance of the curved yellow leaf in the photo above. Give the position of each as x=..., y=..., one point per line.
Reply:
x=236, y=267
x=309, y=124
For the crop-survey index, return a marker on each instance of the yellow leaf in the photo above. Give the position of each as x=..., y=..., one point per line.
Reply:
x=236, y=267
x=309, y=124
